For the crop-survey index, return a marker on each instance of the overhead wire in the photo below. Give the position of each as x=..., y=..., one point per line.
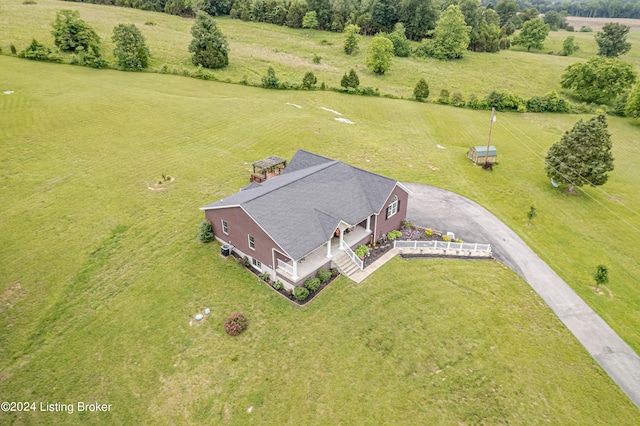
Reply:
x=605, y=207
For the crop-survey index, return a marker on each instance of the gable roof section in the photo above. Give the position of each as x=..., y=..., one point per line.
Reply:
x=301, y=209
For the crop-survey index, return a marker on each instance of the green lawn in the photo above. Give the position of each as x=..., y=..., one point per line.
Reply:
x=255, y=46
x=100, y=275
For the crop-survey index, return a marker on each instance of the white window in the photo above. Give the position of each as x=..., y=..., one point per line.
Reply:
x=252, y=242
x=225, y=228
x=256, y=263
x=393, y=207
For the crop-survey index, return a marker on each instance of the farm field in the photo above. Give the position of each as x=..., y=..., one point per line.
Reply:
x=100, y=274
x=255, y=46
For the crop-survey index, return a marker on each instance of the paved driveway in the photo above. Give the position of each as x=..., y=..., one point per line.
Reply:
x=446, y=211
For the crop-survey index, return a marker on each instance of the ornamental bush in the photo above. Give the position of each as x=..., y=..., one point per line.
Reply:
x=205, y=234
x=300, y=293
x=446, y=238
x=236, y=324
x=392, y=235
x=361, y=251
x=428, y=232
x=324, y=275
x=313, y=284
x=278, y=285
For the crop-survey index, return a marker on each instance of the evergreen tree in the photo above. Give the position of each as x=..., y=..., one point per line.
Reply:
x=451, y=36
x=209, y=46
x=583, y=155
x=421, y=91
x=309, y=81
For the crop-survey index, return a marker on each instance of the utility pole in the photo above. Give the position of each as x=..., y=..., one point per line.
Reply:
x=493, y=118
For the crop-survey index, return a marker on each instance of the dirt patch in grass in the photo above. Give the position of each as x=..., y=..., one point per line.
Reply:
x=11, y=296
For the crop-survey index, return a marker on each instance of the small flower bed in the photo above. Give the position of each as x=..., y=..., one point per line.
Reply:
x=236, y=324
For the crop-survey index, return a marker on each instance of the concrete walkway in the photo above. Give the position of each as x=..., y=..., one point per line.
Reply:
x=446, y=211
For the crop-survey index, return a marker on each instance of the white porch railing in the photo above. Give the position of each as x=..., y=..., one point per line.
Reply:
x=442, y=245
x=285, y=267
x=353, y=256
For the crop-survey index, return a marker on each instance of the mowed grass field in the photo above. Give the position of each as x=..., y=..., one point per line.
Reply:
x=100, y=275
x=255, y=46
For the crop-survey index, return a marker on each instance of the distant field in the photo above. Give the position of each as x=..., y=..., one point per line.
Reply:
x=99, y=275
x=598, y=23
x=255, y=46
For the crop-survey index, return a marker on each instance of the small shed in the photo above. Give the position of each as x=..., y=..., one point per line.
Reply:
x=266, y=168
x=477, y=154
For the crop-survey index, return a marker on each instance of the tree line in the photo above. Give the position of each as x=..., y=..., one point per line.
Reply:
x=584, y=8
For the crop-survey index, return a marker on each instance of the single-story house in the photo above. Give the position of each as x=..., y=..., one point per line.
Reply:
x=305, y=219
x=477, y=154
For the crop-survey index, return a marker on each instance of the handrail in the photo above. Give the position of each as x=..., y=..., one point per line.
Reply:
x=353, y=256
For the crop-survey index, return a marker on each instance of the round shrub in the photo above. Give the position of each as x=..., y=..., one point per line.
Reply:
x=236, y=324
x=361, y=251
x=301, y=293
x=446, y=238
x=205, y=233
x=323, y=275
x=312, y=284
x=392, y=235
x=428, y=232
x=278, y=285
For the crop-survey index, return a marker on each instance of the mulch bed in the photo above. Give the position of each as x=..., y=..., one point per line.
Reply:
x=414, y=233
x=283, y=292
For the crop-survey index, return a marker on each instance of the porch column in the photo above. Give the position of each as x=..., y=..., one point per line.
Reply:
x=368, y=223
x=341, y=239
x=295, y=270
x=329, y=249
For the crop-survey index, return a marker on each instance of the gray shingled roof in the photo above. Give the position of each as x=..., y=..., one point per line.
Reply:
x=302, y=208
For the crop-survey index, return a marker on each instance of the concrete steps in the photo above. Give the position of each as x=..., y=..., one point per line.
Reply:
x=345, y=265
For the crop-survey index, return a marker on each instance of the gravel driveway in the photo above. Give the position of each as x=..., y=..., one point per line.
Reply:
x=445, y=211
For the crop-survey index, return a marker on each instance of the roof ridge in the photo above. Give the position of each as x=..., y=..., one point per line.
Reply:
x=293, y=179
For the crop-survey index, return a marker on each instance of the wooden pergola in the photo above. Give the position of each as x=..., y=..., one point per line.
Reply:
x=272, y=165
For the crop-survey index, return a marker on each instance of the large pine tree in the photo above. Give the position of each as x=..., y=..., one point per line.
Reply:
x=583, y=155
x=209, y=46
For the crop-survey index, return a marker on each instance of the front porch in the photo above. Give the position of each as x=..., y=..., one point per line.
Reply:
x=322, y=256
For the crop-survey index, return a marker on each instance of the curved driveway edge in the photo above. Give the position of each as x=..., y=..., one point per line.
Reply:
x=446, y=211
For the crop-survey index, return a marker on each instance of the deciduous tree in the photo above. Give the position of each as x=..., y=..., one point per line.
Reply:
x=612, y=40
x=569, y=46
x=583, y=155
x=310, y=20
x=130, y=49
x=401, y=46
x=209, y=46
x=532, y=34
x=599, y=79
x=632, y=108
x=351, y=39
x=601, y=275
x=70, y=32
x=379, y=54
x=451, y=36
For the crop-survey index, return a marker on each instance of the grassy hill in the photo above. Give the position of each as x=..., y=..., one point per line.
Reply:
x=100, y=275
x=255, y=46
